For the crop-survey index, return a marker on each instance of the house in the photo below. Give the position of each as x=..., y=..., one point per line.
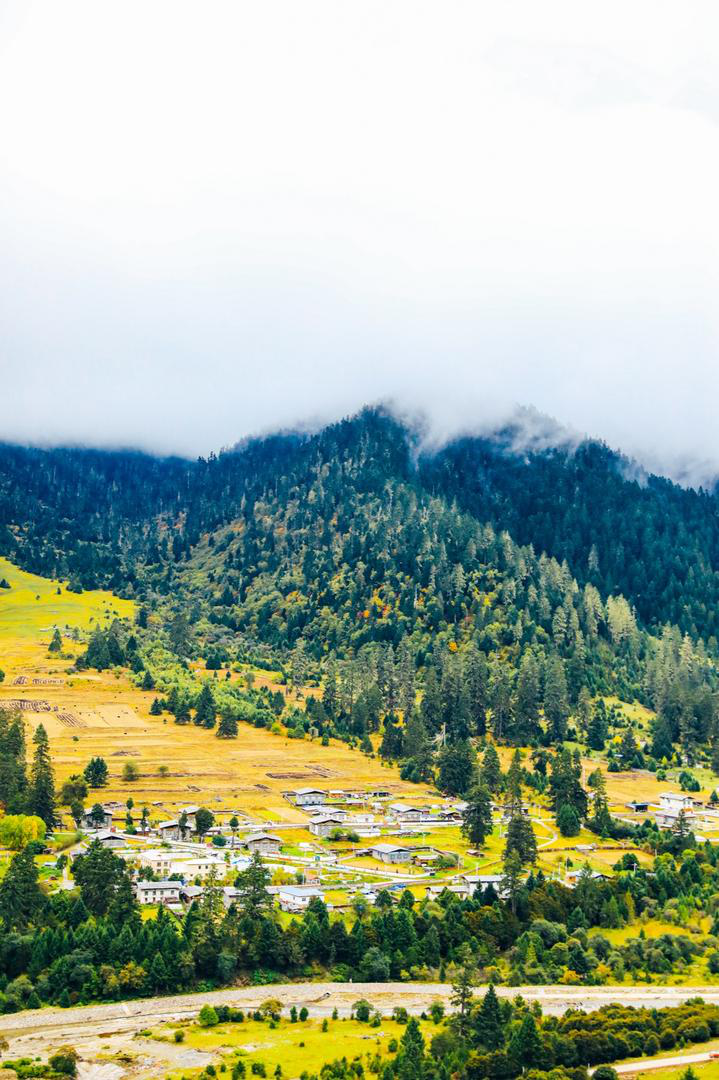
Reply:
x=229, y=895
x=264, y=843
x=463, y=892
x=323, y=825
x=199, y=866
x=89, y=821
x=189, y=812
x=308, y=796
x=158, y=892
x=109, y=839
x=638, y=807
x=190, y=893
x=675, y=800
x=666, y=817
x=573, y=876
x=391, y=853
x=159, y=861
x=297, y=897
x=404, y=812
x=170, y=830
x=481, y=881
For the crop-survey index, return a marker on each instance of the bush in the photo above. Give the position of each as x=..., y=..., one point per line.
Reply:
x=436, y=1011
x=179, y=1036
x=605, y=1072
x=362, y=1010
x=64, y=1061
x=207, y=1017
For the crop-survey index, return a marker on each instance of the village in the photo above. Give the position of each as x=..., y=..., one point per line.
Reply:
x=349, y=846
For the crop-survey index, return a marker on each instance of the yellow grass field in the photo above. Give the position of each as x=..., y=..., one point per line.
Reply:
x=296, y=1047
x=32, y=607
x=103, y=713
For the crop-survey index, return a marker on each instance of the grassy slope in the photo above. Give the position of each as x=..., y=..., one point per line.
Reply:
x=111, y=718
x=32, y=607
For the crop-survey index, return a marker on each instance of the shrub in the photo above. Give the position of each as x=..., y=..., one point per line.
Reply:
x=362, y=1010
x=64, y=1061
x=208, y=1017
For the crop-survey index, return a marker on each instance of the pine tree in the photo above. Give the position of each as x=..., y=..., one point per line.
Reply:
x=20, y=895
x=253, y=901
x=41, y=795
x=456, y=768
x=568, y=821
x=525, y=1047
x=491, y=769
x=462, y=997
x=556, y=706
x=205, y=711
x=597, y=728
x=409, y=1063
x=477, y=820
x=488, y=1026
x=56, y=643
x=227, y=727
x=520, y=839
x=96, y=772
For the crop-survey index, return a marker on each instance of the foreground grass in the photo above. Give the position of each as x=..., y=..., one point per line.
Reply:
x=298, y=1047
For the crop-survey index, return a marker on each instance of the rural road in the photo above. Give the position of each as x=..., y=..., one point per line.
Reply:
x=676, y=1062
x=38, y=1030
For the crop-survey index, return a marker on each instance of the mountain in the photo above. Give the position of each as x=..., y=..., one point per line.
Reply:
x=105, y=518
x=554, y=567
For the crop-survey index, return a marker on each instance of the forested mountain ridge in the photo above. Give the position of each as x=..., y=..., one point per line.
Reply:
x=354, y=547
x=620, y=529
x=119, y=518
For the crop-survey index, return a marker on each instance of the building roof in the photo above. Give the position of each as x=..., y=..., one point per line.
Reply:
x=105, y=834
x=263, y=836
x=482, y=879
x=388, y=848
x=309, y=791
x=172, y=824
x=324, y=818
x=403, y=808
x=147, y=885
x=191, y=891
x=298, y=891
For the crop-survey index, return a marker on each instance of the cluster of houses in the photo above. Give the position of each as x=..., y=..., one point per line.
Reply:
x=325, y=819
x=671, y=804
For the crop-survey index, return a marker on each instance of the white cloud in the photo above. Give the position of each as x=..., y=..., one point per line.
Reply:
x=218, y=217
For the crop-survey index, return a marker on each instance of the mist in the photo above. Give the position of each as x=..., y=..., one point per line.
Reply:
x=223, y=219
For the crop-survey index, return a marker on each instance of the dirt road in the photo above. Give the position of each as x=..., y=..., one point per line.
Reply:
x=37, y=1031
x=676, y=1062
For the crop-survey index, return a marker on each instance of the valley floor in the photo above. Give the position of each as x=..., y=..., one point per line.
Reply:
x=36, y=1031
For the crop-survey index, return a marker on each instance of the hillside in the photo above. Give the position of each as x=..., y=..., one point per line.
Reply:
x=485, y=574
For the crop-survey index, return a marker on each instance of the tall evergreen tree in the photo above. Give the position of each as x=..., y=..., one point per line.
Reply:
x=41, y=794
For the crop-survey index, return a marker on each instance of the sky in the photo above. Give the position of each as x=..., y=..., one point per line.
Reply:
x=221, y=218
